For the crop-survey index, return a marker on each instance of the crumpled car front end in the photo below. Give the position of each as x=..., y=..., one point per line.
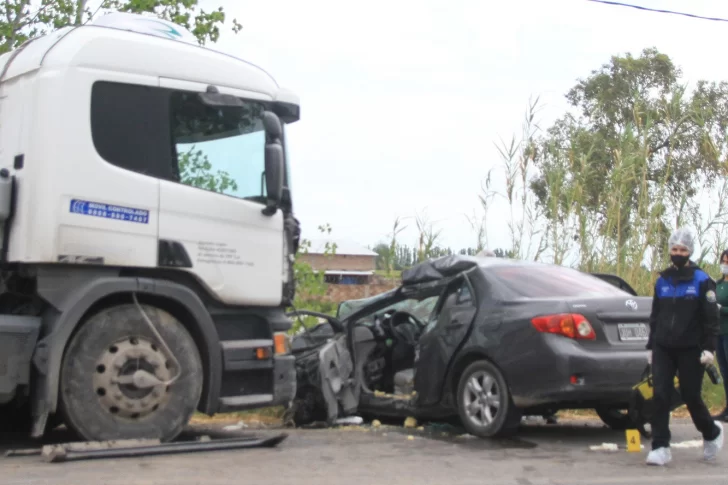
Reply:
x=326, y=384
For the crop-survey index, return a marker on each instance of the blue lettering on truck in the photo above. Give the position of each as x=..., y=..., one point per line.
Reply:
x=109, y=211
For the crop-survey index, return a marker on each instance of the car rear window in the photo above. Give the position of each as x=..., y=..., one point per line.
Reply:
x=551, y=281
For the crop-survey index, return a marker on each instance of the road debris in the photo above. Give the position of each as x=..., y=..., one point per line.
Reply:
x=236, y=427
x=64, y=452
x=605, y=447
x=688, y=444
x=350, y=420
x=610, y=447
x=410, y=422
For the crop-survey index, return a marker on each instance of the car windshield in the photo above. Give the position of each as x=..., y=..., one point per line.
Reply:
x=420, y=309
x=551, y=281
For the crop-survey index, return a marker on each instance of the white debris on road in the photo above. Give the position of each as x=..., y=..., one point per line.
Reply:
x=235, y=427
x=688, y=444
x=605, y=447
x=350, y=420
x=615, y=447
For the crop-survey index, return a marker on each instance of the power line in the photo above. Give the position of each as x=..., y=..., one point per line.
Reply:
x=638, y=7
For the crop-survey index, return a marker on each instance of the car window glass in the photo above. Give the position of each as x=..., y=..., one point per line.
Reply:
x=551, y=281
x=455, y=295
x=464, y=295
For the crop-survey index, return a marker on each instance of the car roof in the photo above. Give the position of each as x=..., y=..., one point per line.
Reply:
x=429, y=274
x=446, y=267
x=434, y=273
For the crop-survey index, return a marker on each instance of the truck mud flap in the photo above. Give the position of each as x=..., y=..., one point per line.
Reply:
x=18, y=336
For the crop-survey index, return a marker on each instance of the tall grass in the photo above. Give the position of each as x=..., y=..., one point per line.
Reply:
x=627, y=232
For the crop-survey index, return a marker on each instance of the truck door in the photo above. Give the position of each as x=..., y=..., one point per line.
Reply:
x=214, y=214
x=442, y=338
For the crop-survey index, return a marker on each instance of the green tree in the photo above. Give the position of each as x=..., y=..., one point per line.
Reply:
x=21, y=20
x=632, y=157
x=195, y=169
x=384, y=256
x=310, y=284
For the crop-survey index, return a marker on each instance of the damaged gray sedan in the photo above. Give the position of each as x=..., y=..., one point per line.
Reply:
x=482, y=340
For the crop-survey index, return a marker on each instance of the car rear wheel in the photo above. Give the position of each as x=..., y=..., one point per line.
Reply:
x=614, y=418
x=485, y=405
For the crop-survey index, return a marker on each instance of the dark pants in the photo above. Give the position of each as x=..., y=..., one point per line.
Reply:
x=686, y=362
x=721, y=355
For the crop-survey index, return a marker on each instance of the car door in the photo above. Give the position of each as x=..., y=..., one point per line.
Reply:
x=444, y=334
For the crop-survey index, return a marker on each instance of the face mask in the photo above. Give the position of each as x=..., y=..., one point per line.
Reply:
x=724, y=269
x=679, y=260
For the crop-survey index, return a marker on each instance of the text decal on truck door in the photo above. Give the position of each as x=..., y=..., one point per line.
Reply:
x=109, y=211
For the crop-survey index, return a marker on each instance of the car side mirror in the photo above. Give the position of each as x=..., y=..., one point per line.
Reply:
x=274, y=164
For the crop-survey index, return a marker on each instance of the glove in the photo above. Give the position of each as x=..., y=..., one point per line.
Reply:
x=706, y=358
x=649, y=358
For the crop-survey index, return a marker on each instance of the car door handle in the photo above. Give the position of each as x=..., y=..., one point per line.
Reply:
x=454, y=324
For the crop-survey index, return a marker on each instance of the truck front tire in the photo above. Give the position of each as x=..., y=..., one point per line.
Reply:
x=115, y=343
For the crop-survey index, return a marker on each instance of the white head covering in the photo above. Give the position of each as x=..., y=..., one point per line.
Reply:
x=682, y=237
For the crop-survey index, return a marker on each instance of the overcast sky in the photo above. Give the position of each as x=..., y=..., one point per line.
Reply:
x=403, y=100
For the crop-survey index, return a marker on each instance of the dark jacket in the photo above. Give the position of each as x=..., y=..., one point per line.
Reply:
x=684, y=310
x=722, y=292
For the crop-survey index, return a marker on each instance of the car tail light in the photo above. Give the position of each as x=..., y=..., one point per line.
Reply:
x=570, y=325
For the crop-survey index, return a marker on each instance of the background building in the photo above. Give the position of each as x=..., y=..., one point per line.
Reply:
x=351, y=264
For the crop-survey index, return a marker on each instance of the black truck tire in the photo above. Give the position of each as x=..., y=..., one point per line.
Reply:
x=116, y=342
x=504, y=419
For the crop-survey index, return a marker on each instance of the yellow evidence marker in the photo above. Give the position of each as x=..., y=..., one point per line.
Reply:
x=633, y=441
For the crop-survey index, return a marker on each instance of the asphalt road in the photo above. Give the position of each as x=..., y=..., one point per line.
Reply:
x=541, y=454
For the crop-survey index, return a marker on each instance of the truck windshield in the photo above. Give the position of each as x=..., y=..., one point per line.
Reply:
x=221, y=149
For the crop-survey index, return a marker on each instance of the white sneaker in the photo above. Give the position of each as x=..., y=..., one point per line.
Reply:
x=711, y=448
x=659, y=457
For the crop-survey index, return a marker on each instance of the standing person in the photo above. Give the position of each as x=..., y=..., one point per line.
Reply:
x=683, y=335
x=722, y=351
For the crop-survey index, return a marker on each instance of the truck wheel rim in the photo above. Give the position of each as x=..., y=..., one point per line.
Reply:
x=122, y=359
x=482, y=398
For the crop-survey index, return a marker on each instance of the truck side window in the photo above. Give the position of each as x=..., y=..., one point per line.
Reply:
x=221, y=149
x=130, y=127
x=172, y=135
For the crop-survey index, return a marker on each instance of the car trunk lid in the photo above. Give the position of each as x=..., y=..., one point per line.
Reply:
x=617, y=322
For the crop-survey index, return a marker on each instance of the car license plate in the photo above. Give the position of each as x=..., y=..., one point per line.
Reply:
x=630, y=332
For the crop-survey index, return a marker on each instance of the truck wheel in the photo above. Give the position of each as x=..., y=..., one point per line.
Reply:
x=114, y=344
x=484, y=403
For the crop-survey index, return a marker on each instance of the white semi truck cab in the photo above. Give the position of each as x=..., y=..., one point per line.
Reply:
x=147, y=231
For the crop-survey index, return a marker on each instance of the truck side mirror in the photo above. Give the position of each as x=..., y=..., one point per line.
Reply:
x=274, y=165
